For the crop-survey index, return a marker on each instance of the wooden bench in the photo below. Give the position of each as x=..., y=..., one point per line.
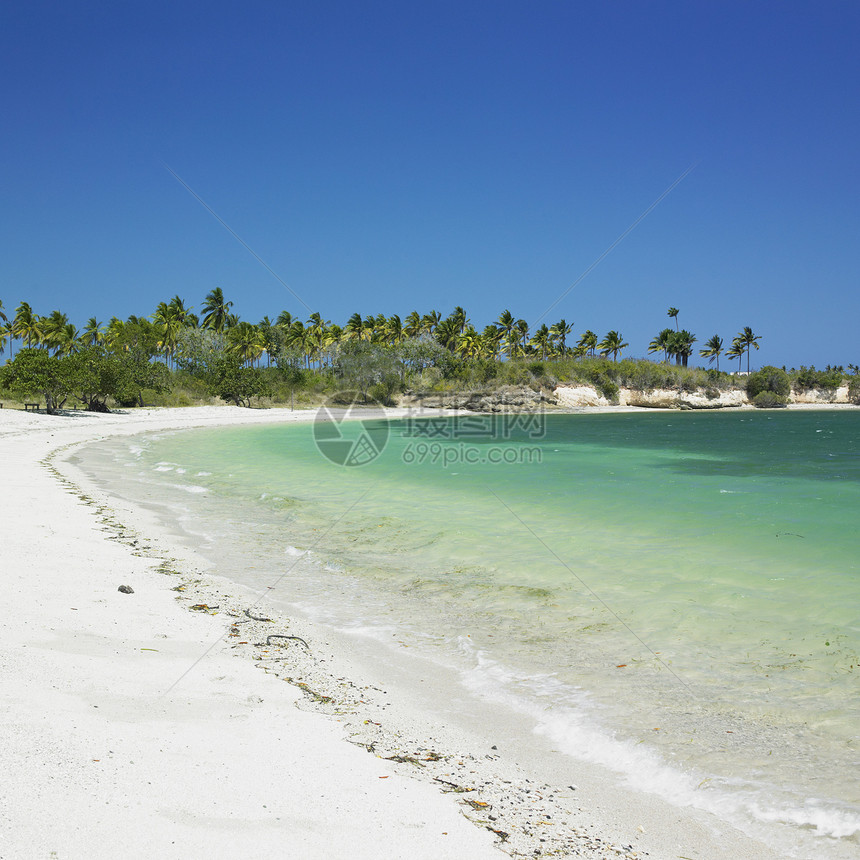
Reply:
x=33, y=406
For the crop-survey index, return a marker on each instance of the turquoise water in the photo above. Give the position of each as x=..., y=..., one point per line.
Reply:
x=675, y=596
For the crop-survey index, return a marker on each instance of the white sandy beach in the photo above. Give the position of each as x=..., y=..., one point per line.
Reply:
x=132, y=727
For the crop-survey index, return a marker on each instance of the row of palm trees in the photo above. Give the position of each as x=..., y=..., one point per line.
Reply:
x=313, y=339
x=678, y=344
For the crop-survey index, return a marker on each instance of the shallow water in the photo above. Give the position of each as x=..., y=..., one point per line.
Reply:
x=675, y=596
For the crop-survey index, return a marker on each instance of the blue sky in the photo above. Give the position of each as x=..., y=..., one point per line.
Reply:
x=391, y=156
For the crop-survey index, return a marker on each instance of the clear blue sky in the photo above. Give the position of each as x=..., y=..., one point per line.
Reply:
x=391, y=156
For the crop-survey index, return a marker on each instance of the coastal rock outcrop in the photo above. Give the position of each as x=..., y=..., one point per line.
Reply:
x=510, y=399
x=820, y=395
x=575, y=396
x=665, y=398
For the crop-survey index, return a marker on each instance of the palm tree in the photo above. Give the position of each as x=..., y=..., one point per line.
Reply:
x=412, y=327
x=673, y=312
x=518, y=339
x=492, y=337
x=588, y=342
x=369, y=328
x=5, y=333
x=541, y=341
x=170, y=321
x=93, y=333
x=183, y=314
x=52, y=330
x=736, y=350
x=681, y=345
x=216, y=311
x=2, y=314
x=614, y=343
x=297, y=338
x=245, y=341
x=559, y=332
x=354, y=328
x=469, y=343
x=661, y=343
x=448, y=333
x=25, y=325
x=429, y=322
x=67, y=340
x=114, y=332
x=713, y=349
x=460, y=319
x=317, y=331
x=748, y=340
x=285, y=320
x=506, y=325
x=393, y=330
x=271, y=336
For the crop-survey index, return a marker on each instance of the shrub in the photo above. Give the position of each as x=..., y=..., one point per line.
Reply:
x=769, y=400
x=768, y=379
x=854, y=390
x=808, y=378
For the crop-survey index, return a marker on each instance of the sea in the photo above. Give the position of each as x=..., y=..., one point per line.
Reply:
x=673, y=596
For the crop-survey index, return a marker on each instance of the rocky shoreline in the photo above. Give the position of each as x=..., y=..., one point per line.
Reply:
x=578, y=396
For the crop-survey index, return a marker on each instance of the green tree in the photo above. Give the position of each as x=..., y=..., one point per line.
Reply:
x=216, y=311
x=559, y=332
x=614, y=343
x=245, y=342
x=661, y=343
x=680, y=344
x=768, y=387
x=169, y=321
x=541, y=341
x=712, y=350
x=25, y=325
x=506, y=324
x=354, y=328
x=429, y=322
x=492, y=337
x=5, y=334
x=588, y=343
x=229, y=379
x=748, y=340
x=448, y=333
x=461, y=321
x=736, y=350
x=470, y=344
x=93, y=333
x=183, y=314
x=519, y=339
x=412, y=326
x=53, y=332
x=365, y=366
x=394, y=330
x=673, y=312
x=35, y=372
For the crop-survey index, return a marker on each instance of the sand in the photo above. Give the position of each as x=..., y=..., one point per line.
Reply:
x=135, y=725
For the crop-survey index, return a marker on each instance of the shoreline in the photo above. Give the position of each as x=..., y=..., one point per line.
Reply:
x=592, y=820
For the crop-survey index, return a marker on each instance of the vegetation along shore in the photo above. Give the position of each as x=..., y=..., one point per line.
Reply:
x=174, y=357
